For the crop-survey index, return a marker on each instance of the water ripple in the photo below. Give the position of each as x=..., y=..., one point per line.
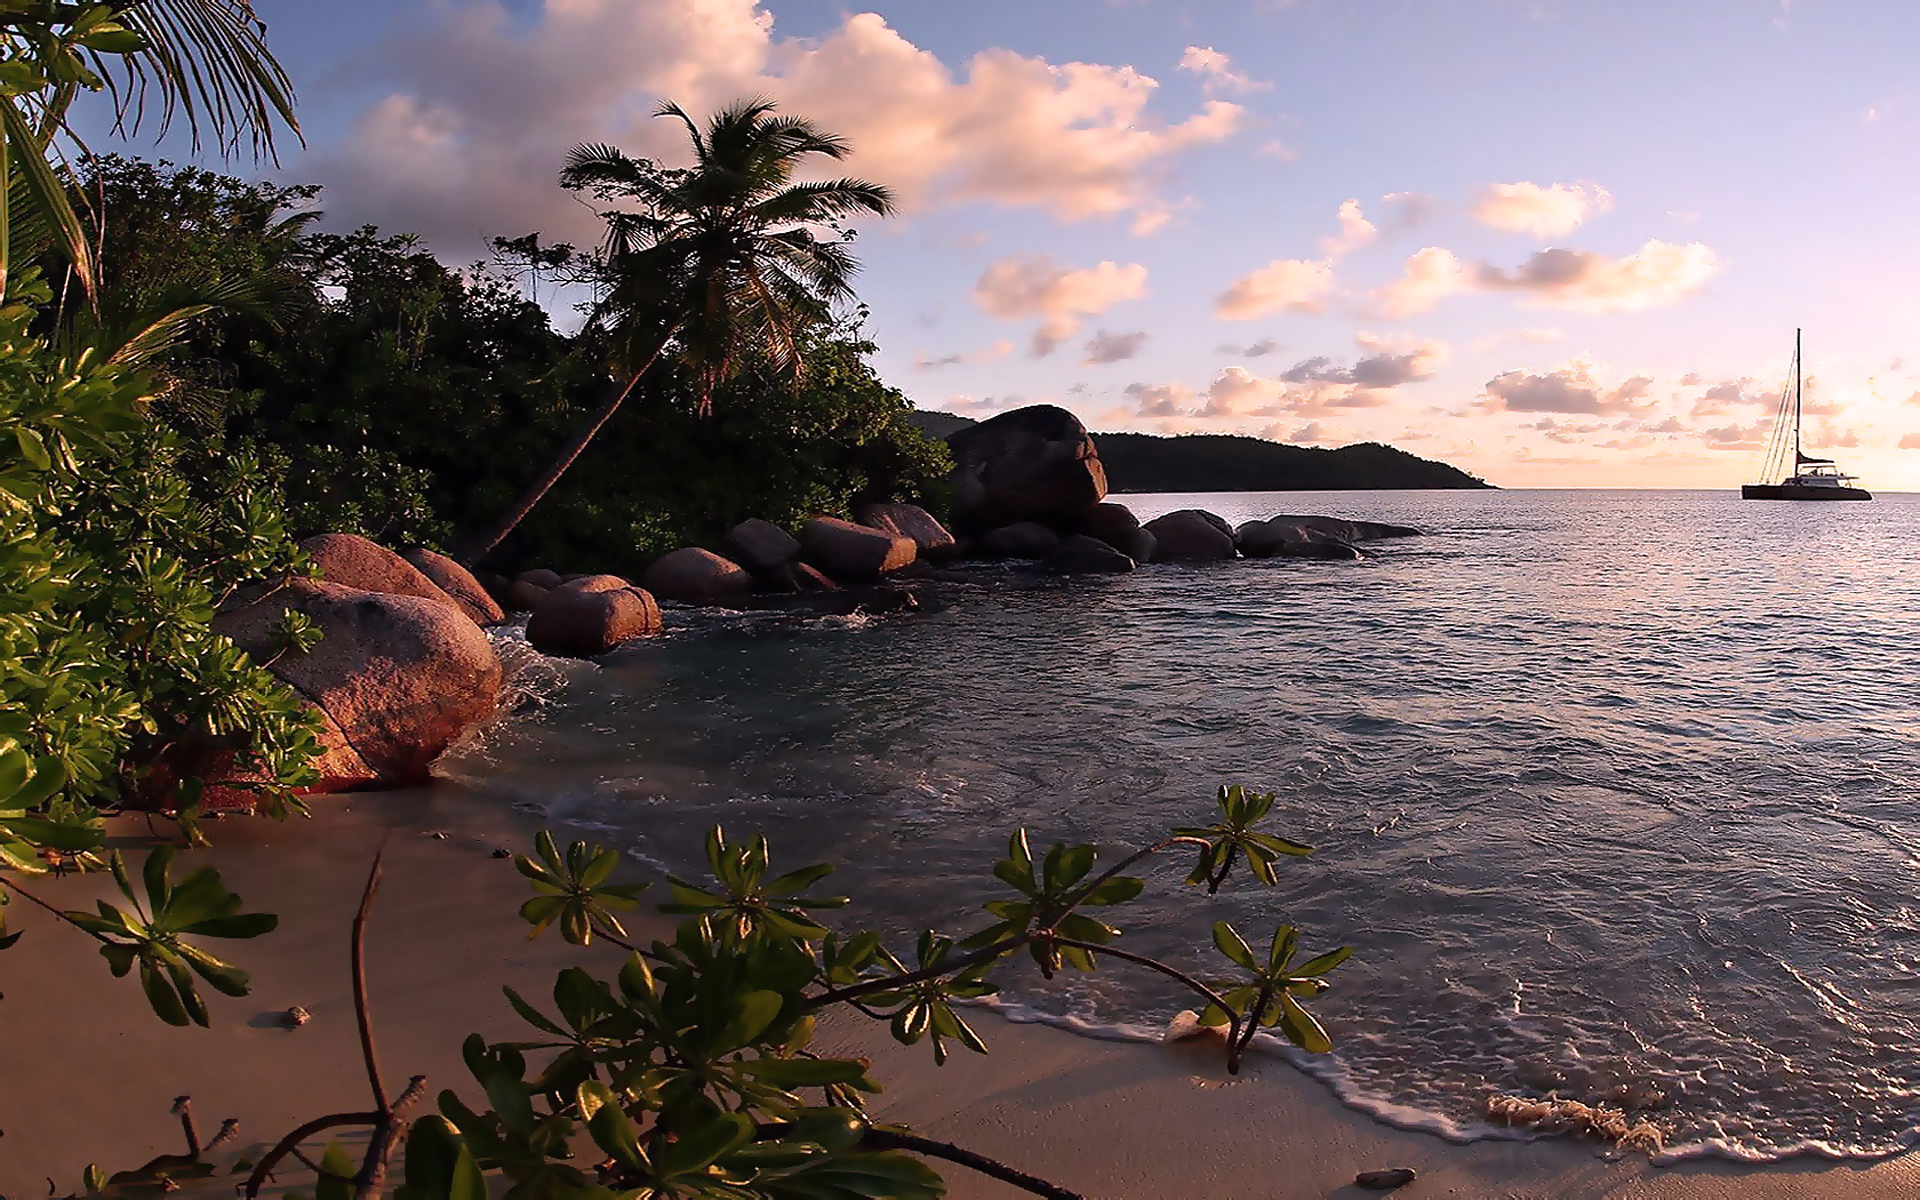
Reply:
x=1616, y=795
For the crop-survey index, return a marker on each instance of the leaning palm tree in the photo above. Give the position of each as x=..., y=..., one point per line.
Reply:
x=721, y=264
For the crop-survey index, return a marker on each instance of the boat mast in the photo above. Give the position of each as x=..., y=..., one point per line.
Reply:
x=1796, y=402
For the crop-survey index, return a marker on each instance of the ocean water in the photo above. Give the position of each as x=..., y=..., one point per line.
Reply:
x=1616, y=795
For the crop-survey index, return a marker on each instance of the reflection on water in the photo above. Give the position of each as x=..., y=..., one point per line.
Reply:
x=1614, y=793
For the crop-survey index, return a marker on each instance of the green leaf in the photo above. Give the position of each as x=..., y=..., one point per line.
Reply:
x=161, y=996
x=1230, y=943
x=698, y=1149
x=1323, y=963
x=32, y=448
x=532, y=1015
x=613, y=1133
x=1301, y=1028
x=754, y=1011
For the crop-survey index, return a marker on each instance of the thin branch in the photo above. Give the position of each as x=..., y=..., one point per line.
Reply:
x=15, y=885
x=290, y=1144
x=1213, y=997
x=944, y=967
x=885, y=1140
x=360, y=981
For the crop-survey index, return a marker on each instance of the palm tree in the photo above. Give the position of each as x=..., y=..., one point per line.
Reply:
x=720, y=265
x=207, y=60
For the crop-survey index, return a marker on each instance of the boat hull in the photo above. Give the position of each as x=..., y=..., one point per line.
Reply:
x=1789, y=491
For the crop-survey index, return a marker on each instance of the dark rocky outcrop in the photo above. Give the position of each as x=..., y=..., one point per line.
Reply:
x=695, y=576
x=1334, y=527
x=524, y=596
x=930, y=537
x=1190, y=535
x=1022, y=539
x=1078, y=554
x=399, y=677
x=540, y=577
x=852, y=552
x=1311, y=537
x=1116, y=525
x=762, y=547
x=590, y=616
x=1031, y=464
x=460, y=584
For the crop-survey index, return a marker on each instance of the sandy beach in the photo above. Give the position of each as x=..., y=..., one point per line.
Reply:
x=1108, y=1119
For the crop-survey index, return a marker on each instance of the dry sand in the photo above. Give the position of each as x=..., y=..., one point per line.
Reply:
x=1108, y=1119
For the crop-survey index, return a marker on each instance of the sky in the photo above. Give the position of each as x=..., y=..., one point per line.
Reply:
x=1556, y=243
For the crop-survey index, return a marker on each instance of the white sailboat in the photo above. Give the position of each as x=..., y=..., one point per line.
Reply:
x=1811, y=478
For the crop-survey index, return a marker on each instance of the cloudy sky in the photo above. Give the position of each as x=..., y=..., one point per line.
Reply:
x=1555, y=242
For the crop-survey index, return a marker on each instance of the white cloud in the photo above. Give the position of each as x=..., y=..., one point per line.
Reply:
x=1572, y=388
x=1542, y=211
x=483, y=101
x=1285, y=285
x=1657, y=274
x=1216, y=69
x=1021, y=287
x=1355, y=231
x=1429, y=276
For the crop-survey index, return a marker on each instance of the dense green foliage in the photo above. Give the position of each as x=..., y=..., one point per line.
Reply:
x=385, y=394
x=116, y=542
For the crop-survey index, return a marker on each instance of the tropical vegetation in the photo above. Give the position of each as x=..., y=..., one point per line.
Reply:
x=190, y=375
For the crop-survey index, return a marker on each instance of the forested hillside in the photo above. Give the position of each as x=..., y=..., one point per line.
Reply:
x=1140, y=462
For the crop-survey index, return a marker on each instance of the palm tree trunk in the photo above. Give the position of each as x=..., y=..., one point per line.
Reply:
x=482, y=546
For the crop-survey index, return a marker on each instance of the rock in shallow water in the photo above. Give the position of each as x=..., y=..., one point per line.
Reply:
x=1385, y=1181
x=1032, y=464
x=1080, y=555
x=460, y=585
x=696, y=576
x=852, y=552
x=398, y=677
x=1190, y=535
x=591, y=616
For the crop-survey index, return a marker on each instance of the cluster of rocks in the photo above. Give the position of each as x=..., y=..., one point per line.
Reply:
x=403, y=667
x=1028, y=484
x=588, y=615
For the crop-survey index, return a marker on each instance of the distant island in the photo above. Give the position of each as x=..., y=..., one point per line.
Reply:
x=1211, y=462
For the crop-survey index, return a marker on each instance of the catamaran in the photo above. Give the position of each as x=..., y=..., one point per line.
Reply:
x=1812, y=478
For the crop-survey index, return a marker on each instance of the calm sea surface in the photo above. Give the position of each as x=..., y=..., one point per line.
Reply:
x=1615, y=794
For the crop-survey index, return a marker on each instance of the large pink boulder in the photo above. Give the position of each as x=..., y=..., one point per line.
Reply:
x=352, y=561
x=930, y=537
x=590, y=616
x=695, y=576
x=458, y=583
x=853, y=552
x=399, y=677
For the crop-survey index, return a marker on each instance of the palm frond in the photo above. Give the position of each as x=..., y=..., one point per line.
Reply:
x=207, y=61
